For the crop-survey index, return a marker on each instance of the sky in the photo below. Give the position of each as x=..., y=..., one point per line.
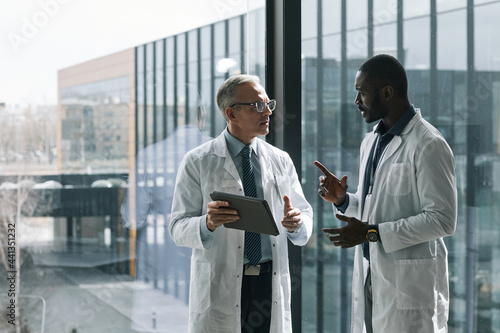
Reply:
x=39, y=37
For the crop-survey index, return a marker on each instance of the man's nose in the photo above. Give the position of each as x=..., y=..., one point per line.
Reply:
x=267, y=110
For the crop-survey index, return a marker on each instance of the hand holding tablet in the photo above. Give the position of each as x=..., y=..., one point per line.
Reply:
x=254, y=213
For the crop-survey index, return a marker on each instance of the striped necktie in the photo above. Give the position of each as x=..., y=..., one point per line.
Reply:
x=252, y=239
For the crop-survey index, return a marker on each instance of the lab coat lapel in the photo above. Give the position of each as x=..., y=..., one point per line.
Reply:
x=363, y=161
x=231, y=168
x=391, y=149
x=366, y=153
x=266, y=169
x=267, y=173
x=222, y=151
x=397, y=140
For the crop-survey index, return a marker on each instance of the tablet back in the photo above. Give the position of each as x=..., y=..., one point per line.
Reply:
x=254, y=213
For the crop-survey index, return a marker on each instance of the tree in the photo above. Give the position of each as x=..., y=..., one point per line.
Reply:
x=16, y=204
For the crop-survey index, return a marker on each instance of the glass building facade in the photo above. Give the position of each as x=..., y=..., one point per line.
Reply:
x=453, y=68
x=95, y=126
x=92, y=260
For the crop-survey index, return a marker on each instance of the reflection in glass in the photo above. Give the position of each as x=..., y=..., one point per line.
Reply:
x=84, y=264
x=463, y=103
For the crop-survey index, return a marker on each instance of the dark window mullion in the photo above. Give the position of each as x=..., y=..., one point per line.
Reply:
x=226, y=43
x=145, y=99
x=400, y=24
x=370, y=28
x=198, y=71
x=164, y=86
x=242, y=45
x=433, y=75
x=345, y=313
x=320, y=283
x=136, y=102
x=176, y=121
x=154, y=87
x=213, y=105
x=186, y=80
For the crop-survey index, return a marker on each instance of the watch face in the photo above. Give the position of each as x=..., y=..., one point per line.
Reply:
x=372, y=236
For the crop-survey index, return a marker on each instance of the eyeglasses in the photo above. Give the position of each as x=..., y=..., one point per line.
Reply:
x=260, y=105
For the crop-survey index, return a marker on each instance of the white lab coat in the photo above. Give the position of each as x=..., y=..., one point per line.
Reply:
x=216, y=269
x=414, y=203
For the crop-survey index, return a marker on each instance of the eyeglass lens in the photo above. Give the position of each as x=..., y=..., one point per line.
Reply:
x=270, y=104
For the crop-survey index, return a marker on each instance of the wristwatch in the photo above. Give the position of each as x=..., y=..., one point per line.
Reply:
x=372, y=235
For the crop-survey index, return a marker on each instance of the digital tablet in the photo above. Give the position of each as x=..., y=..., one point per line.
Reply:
x=254, y=213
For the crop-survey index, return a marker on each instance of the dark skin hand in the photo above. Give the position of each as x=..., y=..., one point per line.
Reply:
x=354, y=233
x=337, y=189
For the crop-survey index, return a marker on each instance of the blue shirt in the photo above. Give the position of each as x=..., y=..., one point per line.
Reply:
x=235, y=147
x=378, y=148
x=384, y=138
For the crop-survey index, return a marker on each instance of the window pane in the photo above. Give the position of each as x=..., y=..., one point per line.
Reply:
x=450, y=4
x=462, y=103
x=417, y=43
x=385, y=39
x=486, y=38
x=452, y=35
x=416, y=8
x=87, y=173
x=357, y=14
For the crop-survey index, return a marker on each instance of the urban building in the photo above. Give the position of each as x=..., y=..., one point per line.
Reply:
x=115, y=110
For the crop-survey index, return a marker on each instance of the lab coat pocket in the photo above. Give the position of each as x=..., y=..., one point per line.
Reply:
x=416, y=284
x=399, y=179
x=199, y=296
x=231, y=186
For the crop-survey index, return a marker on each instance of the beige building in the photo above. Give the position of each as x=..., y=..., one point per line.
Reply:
x=96, y=115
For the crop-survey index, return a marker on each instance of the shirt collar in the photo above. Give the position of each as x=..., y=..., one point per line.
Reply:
x=399, y=126
x=235, y=146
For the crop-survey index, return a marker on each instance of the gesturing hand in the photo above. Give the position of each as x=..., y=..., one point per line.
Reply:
x=354, y=233
x=291, y=216
x=218, y=214
x=336, y=189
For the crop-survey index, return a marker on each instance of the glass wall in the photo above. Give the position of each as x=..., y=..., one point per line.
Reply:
x=95, y=127
x=85, y=253
x=450, y=52
x=176, y=83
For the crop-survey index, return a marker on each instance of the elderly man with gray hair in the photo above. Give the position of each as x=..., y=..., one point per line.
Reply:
x=239, y=279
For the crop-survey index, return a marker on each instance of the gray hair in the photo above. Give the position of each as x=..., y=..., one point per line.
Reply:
x=227, y=91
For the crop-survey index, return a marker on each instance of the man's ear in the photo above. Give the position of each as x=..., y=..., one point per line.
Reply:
x=230, y=114
x=387, y=93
